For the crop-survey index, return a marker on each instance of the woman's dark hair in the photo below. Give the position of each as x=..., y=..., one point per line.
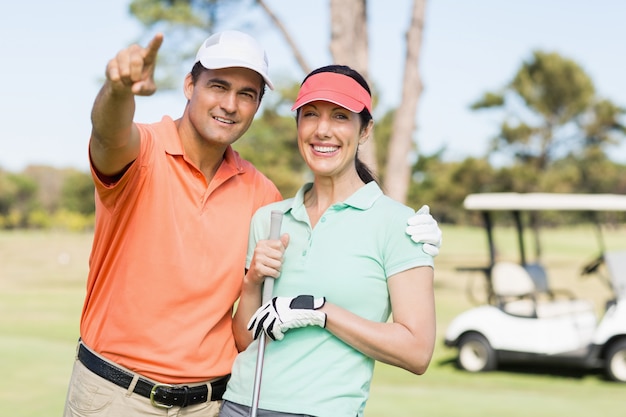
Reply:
x=198, y=68
x=362, y=170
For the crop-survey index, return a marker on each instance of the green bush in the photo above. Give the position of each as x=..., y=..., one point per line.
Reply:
x=72, y=221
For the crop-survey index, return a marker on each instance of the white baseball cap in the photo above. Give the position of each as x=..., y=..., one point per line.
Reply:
x=232, y=48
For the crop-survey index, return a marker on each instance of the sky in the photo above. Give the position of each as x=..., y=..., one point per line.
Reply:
x=53, y=56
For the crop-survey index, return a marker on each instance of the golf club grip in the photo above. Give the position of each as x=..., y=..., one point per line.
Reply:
x=275, y=223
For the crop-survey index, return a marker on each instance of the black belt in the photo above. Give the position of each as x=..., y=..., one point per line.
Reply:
x=160, y=395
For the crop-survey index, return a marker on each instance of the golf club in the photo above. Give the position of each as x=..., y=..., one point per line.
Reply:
x=268, y=288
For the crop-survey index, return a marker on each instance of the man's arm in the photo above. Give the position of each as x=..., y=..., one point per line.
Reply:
x=114, y=139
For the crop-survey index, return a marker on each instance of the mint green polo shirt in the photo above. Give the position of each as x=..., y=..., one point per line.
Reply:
x=356, y=245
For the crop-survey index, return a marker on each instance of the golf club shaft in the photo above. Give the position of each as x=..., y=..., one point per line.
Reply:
x=268, y=288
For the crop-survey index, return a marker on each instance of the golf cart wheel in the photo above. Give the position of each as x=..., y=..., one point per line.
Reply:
x=616, y=361
x=476, y=354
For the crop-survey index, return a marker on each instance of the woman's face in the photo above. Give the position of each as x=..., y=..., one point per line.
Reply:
x=328, y=138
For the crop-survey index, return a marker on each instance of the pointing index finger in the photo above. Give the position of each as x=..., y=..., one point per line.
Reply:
x=152, y=49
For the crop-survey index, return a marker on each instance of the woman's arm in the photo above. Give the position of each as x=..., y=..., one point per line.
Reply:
x=407, y=341
x=266, y=262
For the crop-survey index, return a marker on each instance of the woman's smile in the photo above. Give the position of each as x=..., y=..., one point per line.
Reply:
x=325, y=149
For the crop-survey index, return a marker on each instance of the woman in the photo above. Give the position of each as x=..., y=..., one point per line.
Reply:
x=346, y=267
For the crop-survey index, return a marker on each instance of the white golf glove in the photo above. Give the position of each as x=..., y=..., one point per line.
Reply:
x=423, y=228
x=283, y=313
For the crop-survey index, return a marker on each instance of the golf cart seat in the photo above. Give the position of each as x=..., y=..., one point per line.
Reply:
x=616, y=266
x=516, y=293
x=540, y=278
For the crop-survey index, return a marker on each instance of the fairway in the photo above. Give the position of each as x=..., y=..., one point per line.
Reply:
x=42, y=282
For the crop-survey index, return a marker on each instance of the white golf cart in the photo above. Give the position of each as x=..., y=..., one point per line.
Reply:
x=522, y=320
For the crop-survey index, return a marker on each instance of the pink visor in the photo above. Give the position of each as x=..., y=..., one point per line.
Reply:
x=335, y=88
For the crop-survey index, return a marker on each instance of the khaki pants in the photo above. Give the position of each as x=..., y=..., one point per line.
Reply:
x=92, y=396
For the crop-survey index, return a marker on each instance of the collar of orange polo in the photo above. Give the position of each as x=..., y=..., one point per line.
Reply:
x=335, y=88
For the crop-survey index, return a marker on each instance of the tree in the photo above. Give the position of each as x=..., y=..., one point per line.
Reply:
x=17, y=199
x=446, y=184
x=49, y=182
x=398, y=174
x=551, y=110
x=78, y=193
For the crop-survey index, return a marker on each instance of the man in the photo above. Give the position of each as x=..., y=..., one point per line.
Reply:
x=173, y=204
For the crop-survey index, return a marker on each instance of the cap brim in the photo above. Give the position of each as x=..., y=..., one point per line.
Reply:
x=216, y=63
x=335, y=97
x=336, y=88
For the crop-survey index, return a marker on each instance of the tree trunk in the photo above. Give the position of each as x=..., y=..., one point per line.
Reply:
x=349, y=46
x=401, y=145
x=283, y=30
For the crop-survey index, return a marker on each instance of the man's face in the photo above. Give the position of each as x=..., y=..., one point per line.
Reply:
x=223, y=102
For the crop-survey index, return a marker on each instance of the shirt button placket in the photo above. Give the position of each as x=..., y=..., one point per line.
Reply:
x=309, y=241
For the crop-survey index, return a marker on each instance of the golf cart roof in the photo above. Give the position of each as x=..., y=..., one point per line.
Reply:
x=545, y=201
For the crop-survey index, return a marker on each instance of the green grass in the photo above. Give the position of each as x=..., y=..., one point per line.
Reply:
x=42, y=282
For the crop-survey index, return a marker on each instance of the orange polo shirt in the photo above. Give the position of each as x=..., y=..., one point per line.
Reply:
x=168, y=259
